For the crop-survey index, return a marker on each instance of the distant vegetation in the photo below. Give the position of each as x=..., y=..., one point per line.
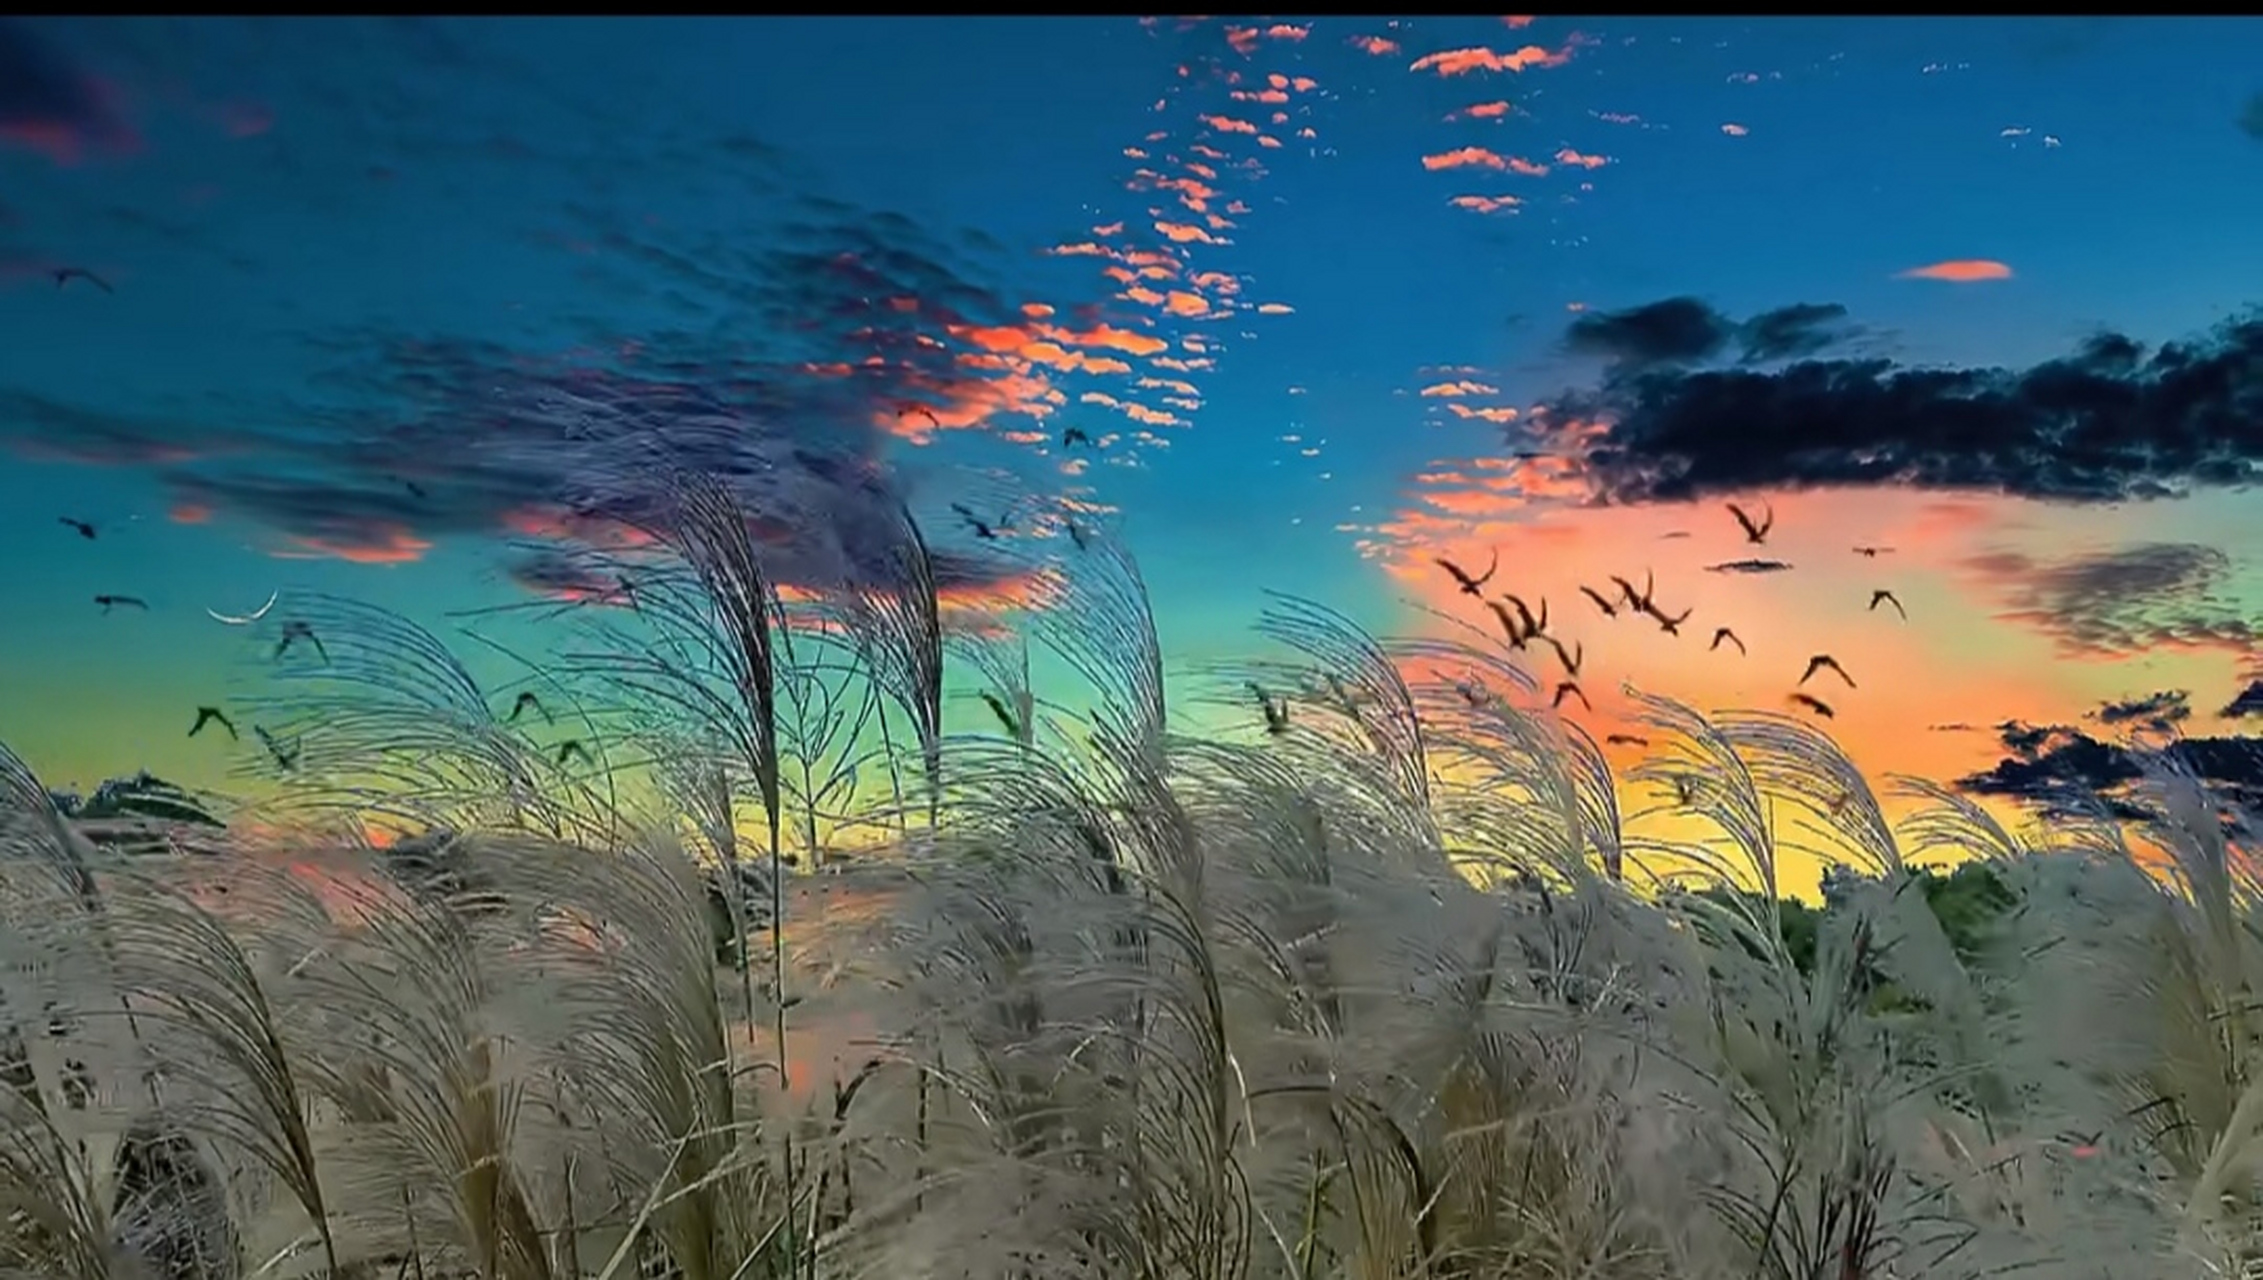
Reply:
x=1385, y=985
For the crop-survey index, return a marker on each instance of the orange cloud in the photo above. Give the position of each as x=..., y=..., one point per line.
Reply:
x=1486, y=110
x=390, y=544
x=1518, y=21
x=1457, y=62
x=1180, y=303
x=1182, y=232
x=1284, y=31
x=190, y=513
x=1227, y=124
x=1496, y=415
x=1274, y=308
x=1959, y=271
x=1465, y=157
x=1375, y=45
x=1520, y=165
x=1486, y=204
x=1460, y=388
x=1569, y=156
x=1735, y=130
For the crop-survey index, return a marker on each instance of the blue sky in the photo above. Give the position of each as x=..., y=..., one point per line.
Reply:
x=327, y=241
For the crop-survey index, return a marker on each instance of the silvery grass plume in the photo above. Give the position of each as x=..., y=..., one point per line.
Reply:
x=385, y=719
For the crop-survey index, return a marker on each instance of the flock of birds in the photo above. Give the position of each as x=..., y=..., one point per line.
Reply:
x=294, y=633
x=1524, y=626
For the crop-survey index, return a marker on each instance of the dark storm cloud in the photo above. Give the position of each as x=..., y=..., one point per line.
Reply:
x=480, y=440
x=2106, y=423
x=48, y=104
x=2122, y=601
x=2159, y=712
x=1671, y=331
x=1685, y=330
x=2067, y=771
x=1790, y=333
x=2248, y=703
x=42, y=427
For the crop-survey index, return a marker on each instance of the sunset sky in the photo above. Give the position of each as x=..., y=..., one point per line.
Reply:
x=1331, y=297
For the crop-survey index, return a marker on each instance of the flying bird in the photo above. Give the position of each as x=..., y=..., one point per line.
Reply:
x=1276, y=712
x=249, y=618
x=1637, y=600
x=1508, y=623
x=1569, y=689
x=212, y=715
x=904, y=411
x=1602, y=601
x=1883, y=596
x=1532, y=629
x=570, y=748
x=525, y=702
x=1626, y=740
x=64, y=275
x=131, y=602
x=1822, y=661
x=1670, y=625
x=1074, y=436
x=85, y=528
x=1872, y=552
x=983, y=529
x=1723, y=633
x=1005, y=716
x=1755, y=533
x=1571, y=659
x=286, y=758
x=1470, y=586
x=1748, y=566
x=1814, y=704
x=298, y=630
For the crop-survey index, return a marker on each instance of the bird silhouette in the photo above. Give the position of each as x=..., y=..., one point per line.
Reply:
x=1814, y=704
x=1883, y=596
x=1872, y=552
x=1820, y=662
x=983, y=529
x=1572, y=658
x=525, y=702
x=1508, y=623
x=1636, y=600
x=1533, y=628
x=1626, y=740
x=1074, y=436
x=1570, y=689
x=903, y=411
x=1749, y=566
x=286, y=758
x=1670, y=625
x=298, y=630
x=570, y=748
x=1755, y=532
x=1602, y=601
x=127, y=602
x=1005, y=716
x=64, y=275
x=212, y=715
x=85, y=528
x=1276, y=711
x=1470, y=586
x=1723, y=633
